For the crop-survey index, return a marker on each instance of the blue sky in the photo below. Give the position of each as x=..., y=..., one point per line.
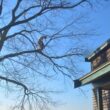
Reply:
x=99, y=18
x=74, y=99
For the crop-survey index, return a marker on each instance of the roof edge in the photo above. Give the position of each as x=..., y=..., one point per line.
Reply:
x=81, y=81
x=102, y=47
x=77, y=83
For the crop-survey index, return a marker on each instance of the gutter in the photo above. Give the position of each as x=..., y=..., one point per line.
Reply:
x=99, y=72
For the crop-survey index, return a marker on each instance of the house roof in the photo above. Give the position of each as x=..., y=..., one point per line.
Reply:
x=98, y=51
x=94, y=75
x=99, y=72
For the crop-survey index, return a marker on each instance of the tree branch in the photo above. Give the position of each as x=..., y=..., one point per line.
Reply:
x=15, y=8
x=17, y=54
x=1, y=7
x=26, y=10
x=67, y=7
x=14, y=82
x=66, y=55
x=19, y=33
x=42, y=11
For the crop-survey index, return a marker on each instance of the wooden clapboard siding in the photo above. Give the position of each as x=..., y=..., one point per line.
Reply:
x=100, y=59
x=105, y=100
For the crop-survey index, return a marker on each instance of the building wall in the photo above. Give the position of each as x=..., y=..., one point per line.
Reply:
x=100, y=59
x=95, y=106
x=105, y=100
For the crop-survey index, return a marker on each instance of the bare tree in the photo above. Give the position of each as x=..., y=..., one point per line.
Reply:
x=22, y=65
